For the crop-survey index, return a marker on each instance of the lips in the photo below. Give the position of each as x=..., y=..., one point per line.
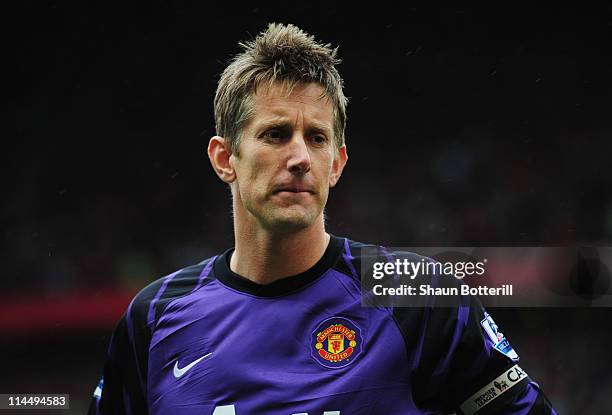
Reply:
x=293, y=189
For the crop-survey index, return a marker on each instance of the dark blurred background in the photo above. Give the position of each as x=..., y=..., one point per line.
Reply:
x=467, y=127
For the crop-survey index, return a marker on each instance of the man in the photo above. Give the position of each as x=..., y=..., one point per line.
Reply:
x=275, y=325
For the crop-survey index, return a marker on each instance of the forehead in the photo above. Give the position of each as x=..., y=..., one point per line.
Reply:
x=303, y=101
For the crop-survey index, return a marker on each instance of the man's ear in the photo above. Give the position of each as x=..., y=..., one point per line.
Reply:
x=219, y=155
x=338, y=166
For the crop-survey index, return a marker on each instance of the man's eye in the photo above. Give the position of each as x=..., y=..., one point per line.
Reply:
x=273, y=134
x=319, y=139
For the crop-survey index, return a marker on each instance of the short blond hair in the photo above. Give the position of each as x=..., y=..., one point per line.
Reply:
x=281, y=53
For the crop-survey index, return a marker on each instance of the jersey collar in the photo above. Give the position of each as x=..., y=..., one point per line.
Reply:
x=284, y=285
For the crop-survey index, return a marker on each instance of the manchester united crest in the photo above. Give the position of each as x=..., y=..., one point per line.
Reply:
x=336, y=342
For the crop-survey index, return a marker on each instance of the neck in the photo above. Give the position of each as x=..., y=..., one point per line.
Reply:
x=264, y=257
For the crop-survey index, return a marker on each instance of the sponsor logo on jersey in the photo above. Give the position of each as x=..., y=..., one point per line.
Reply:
x=336, y=342
x=500, y=342
x=180, y=372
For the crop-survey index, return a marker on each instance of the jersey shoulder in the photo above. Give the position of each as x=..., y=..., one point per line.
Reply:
x=148, y=305
x=358, y=258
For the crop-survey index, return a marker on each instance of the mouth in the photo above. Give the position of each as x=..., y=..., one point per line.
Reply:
x=293, y=189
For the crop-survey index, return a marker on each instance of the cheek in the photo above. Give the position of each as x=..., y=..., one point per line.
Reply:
x=325, y=171
x=254, y=173
x=248, y=168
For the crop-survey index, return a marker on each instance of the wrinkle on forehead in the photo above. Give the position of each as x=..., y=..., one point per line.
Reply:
x=284, y=89
x=274, y=100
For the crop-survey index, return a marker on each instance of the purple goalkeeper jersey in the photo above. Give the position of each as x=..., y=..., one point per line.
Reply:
x=206, y=341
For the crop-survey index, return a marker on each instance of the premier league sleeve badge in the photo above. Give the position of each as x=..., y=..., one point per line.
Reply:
x=500, y=343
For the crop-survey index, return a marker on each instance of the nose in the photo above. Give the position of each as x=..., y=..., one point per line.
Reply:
x=299, y=156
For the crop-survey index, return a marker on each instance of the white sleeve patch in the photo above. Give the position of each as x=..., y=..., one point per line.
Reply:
x=98, y=391
x=500, y=342
x=493, y=390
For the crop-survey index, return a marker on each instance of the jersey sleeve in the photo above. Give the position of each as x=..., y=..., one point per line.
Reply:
x=121, y=388
x=124, y=384
x=463, y=363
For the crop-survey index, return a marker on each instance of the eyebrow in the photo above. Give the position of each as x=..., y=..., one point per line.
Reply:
x=282, y=122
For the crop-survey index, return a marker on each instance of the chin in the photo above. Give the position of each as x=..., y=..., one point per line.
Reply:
x=291, y=220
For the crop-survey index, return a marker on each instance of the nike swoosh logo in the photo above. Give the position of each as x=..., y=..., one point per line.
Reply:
x=180, y=372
